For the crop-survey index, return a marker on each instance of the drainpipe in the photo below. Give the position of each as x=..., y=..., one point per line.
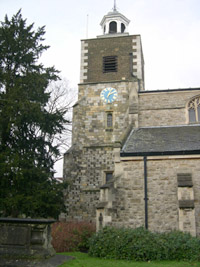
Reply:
x=145, y=193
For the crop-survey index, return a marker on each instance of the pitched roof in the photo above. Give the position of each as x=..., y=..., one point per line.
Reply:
x=163, y=141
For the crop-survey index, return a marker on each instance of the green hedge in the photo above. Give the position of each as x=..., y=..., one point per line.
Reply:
x=142, y=245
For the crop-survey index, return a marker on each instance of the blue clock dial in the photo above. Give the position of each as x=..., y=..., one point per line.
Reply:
x=108, y=95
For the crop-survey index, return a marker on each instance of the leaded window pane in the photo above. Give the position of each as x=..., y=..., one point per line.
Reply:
x=192, y=117
x=198, y=111
x=109, y=120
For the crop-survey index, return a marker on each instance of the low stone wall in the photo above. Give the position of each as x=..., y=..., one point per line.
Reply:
x=25, y=238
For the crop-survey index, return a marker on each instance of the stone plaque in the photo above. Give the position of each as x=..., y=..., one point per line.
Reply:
x=14, y=235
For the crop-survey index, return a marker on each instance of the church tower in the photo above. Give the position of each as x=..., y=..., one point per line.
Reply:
x=111, y=75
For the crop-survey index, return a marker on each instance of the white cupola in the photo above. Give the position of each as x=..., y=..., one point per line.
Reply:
x=115, y=23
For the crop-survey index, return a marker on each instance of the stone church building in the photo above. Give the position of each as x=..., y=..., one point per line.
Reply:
x=135, y=154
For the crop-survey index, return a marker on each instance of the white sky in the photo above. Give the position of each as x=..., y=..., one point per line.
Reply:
x=170, y=31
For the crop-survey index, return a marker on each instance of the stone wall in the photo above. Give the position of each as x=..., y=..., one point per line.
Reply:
x=129, y=197
x=164, y=108
x=85, y=171
x=163, y=199
x=128, y=50
x=89, y=114
x=91, y=154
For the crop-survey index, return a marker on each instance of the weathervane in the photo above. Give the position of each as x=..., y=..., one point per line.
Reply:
x=114, y=9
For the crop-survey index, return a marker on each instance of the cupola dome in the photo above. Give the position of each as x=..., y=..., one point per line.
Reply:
x=114, y=23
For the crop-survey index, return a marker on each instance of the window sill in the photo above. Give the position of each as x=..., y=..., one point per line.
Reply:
x=109, y=129
x=194, y=123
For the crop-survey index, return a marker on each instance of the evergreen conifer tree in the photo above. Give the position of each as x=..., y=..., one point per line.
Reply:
x=27, y=154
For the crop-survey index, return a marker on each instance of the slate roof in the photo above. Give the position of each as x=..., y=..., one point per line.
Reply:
x=163, y=141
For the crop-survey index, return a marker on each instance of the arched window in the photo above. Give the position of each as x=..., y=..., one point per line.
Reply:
x=113, y=27
x=122, y=27
x=194, y=110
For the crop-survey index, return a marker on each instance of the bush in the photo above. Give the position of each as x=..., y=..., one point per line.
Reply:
x=72, y=236
x=142, y=245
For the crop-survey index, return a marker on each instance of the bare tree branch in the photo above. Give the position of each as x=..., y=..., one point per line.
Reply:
x=62, y=99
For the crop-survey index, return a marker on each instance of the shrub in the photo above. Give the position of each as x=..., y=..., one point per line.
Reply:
x=71, y=236
x=142, y=245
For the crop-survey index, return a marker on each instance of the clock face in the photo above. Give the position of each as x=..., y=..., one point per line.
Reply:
x=108, y=95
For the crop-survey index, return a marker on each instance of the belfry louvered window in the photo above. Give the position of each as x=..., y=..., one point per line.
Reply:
x=110, y=64
x=194, y=110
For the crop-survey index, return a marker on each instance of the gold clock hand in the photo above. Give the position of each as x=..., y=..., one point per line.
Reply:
x=110, y=93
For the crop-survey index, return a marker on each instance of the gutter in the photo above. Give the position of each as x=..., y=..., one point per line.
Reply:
x=159, y=153
x=169, y=90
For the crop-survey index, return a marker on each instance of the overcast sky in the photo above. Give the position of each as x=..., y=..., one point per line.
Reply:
x=170, y=32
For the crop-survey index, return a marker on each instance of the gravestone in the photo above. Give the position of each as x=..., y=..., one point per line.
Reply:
x=25, y=238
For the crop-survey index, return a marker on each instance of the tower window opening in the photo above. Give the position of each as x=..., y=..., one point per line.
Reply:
x=109, y=176
x=113, y=27
x=110, y=64
x=122, y=27
x=109, y=120
x=104, y=29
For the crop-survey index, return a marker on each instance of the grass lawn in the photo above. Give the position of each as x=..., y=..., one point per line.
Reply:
x=83, y=260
